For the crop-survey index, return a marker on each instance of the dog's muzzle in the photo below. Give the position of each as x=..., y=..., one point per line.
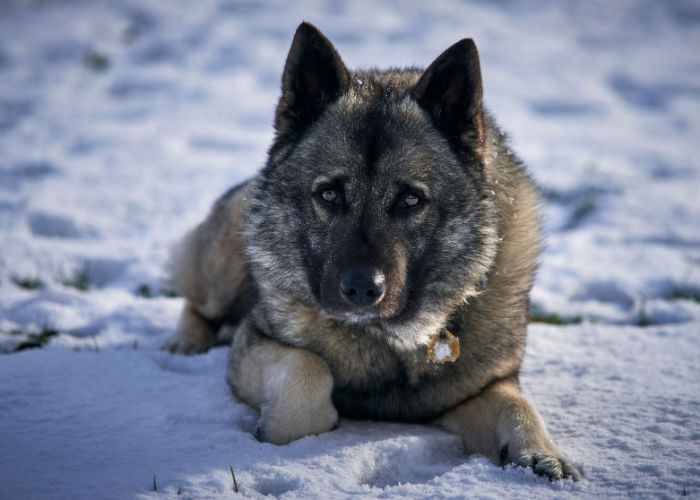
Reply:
x=362, y=286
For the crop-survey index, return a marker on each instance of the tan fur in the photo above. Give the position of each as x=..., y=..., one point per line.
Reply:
x=501, y=425
x=291, y=387
x=192, y=333
x=299, y=362
x=209, y=269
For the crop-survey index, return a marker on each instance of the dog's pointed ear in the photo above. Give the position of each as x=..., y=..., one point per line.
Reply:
x=314, y=77
x=450, y=91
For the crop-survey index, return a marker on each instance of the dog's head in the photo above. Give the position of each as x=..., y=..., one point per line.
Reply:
x=373, y=205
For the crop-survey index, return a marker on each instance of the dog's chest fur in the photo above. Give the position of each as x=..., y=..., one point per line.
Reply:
x=373, y=379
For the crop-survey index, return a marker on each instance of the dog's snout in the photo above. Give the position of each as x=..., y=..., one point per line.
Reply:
x=362, y=286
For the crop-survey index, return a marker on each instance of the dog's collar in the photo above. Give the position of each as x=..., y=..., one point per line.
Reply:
x=443, y=347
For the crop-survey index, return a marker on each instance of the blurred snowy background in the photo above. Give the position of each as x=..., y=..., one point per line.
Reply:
x=122, y=121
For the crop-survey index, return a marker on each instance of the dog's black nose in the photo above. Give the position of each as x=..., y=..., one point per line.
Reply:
x=362, y=286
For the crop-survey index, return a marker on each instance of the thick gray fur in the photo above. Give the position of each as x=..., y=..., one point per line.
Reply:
x=264, y=270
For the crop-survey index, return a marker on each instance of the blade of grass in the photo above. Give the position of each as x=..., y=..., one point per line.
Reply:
x=235, y=484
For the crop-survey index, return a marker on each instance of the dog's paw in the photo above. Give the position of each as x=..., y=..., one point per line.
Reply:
x=279, y=425
x=179, y=345
x=546, y=462
x=192, y=335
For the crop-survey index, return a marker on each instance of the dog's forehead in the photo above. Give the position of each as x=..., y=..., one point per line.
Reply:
x=368, y=134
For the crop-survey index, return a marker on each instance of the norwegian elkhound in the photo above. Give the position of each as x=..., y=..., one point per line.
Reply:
x=380, y=263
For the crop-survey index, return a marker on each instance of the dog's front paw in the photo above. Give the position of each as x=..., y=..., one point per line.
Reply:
x=545, y=462
x=291, y=387
x=280, y=425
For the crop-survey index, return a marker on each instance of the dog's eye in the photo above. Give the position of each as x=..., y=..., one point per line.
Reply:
x=330, y=195
x=410, y=200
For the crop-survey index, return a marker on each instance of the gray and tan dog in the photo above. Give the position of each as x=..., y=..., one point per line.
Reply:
x=380, y=263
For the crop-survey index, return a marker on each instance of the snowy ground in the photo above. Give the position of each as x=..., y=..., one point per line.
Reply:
x=121, y=122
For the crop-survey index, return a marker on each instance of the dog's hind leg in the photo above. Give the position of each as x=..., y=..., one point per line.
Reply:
x=500, y=424
x=193, y=333
x=291, y=387
x=209, y=269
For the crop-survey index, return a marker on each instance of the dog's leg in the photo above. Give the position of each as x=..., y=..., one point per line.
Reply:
x=291, y=387
x=208, y=268
x=193, y=333
x=500, y=424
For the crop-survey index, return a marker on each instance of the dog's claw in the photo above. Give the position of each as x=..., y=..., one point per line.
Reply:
x=554, y=467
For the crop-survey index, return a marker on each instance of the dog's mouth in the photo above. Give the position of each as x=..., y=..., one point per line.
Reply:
x=366, y=316
x=379, y=315
x=361, y=317
x=406, y=328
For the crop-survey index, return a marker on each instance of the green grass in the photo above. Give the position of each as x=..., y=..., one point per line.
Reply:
x=144, y=290
x=683, y=293
x=96, y=61
x=582, y=210
x=582, y=202
x=165, y=292
x=80, y=279
x=34, y=338
x=44, y=334
x=27, y=282
x=643, y=318
x=540, y=315
x=235, y=483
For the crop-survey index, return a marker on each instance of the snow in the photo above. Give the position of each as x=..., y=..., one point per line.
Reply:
x=121, y=122
x=441, y=352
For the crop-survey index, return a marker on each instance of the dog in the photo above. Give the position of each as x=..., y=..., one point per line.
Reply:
x=379, y=265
